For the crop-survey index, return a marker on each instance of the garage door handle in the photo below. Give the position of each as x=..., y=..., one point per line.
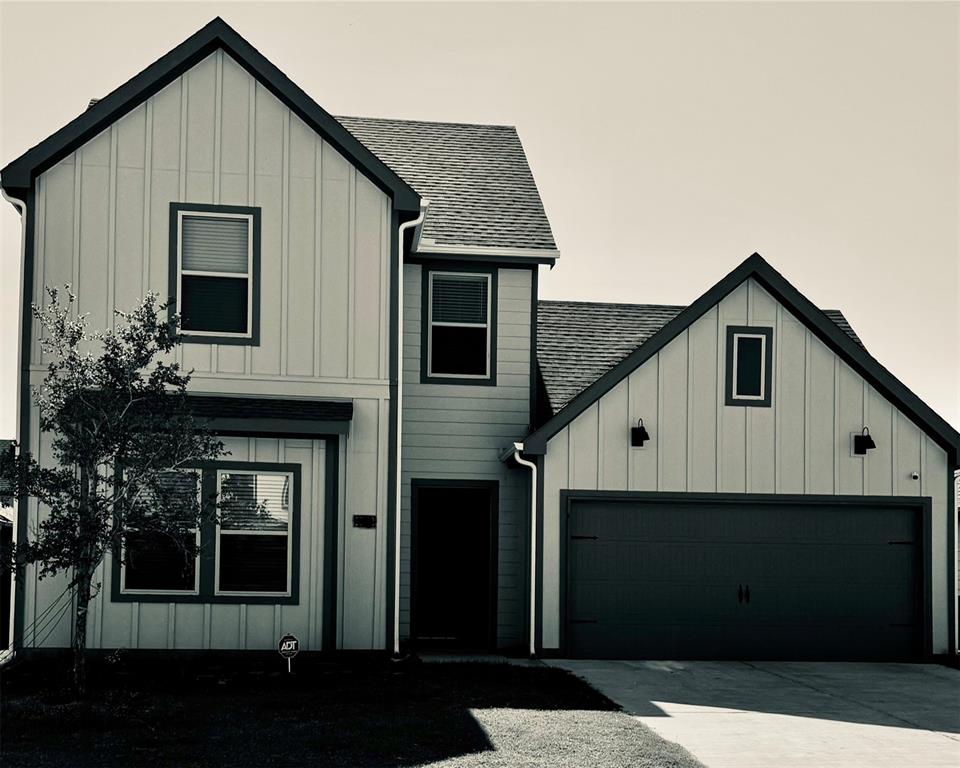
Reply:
x=585, y=538
x=740, y=593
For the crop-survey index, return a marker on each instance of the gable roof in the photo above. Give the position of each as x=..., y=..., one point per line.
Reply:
x=823, y=327
x=17, y=177
x=481, y=191
x=579, y=341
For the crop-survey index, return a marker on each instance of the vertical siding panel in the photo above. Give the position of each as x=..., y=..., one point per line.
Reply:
x=92, y=267
x=366, y=284
x=820, y=437
x=128, y=209
x=732, y=424
x=908, y=456
x=555, y=477
x=359, y=545
x=615, y=424
x=301, y=262
x=268, y=168
x=200, y=126
x=111, y=273
x=702, y=387
x=879, y=462
x=164, y=181
x=59, y=231
x=334, y=279
x=285, y=245
x=761, y=422
x=583, y=449
x=849, y=420
x=644, y=397
x=789, y=402
x=672, y=418
x=317, y=250
x=351, y=270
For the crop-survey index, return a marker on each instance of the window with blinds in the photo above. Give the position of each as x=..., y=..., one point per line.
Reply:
x=458, y=318
x=216, y=272
x=253, y=536
x=163, y=562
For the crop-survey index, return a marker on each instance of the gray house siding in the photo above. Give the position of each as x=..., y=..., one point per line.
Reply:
x=215, y=135
x=799, y=445
x=455, y=432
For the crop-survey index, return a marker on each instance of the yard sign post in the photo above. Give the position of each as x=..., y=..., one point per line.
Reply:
x=288, y=647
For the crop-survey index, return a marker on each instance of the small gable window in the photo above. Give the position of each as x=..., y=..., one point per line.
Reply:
x=214, y=270
x=749, y=375
x=459, y=326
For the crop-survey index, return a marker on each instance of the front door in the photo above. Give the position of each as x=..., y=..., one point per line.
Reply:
x=454, y=565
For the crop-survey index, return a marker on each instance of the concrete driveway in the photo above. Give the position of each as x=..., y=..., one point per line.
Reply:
x=791, y=714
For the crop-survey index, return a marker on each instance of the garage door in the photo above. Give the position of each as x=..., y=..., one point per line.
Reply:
x=742, y=579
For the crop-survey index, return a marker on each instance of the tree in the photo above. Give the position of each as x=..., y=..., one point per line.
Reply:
x=117, y=412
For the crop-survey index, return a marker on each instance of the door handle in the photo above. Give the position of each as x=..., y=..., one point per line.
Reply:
x=740, y=593
x=746, y=593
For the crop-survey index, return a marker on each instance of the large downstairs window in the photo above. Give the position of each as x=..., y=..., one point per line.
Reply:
x=459, y=327
x=215, y=271
x=244, y=552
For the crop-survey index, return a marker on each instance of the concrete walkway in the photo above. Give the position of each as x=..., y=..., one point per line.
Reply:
x=791, y=714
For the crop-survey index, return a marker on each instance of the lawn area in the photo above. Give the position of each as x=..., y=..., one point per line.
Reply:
x=370, y=714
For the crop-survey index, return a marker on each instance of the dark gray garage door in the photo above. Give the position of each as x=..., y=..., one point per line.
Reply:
x=745, y=579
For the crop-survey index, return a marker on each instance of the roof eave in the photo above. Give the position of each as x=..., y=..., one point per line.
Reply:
x=428, y=250
x=19, y=174
x=814, y=318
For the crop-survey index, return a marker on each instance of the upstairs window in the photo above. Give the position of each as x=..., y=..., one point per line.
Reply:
x=216, y=263
x=459, y=327
x=749, y=375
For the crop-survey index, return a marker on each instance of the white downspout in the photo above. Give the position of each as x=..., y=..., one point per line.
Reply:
x=7, y=654
x=517, y=448
x=399, y=479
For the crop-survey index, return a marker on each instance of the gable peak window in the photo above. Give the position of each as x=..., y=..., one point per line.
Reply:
x=214, y=263
x=749, y=375
x=459, y=325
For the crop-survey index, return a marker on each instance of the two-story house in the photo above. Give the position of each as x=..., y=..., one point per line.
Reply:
x=446, y=461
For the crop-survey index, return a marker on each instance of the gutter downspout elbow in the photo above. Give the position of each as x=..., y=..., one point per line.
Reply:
x=401, y=230
x=7, y=655
x=517, y=449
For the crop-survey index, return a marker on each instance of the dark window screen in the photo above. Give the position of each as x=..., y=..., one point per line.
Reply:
x=156, y=561
x=250, y=563
x=459, y=350
x=749, y=381
x=214, y=304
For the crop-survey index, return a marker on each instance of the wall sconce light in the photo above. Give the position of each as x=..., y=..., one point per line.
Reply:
x=638, y=435
x=863, y=442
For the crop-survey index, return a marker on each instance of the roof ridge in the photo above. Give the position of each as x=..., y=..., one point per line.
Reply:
x=417, y=121
x=609, y=303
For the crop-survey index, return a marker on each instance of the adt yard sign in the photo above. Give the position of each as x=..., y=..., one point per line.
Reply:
x=288, y=647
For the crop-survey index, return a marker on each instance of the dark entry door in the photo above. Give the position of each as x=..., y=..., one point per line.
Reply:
x=453, y=566
x=743, y=580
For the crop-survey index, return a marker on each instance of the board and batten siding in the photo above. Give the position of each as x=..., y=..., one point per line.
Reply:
x=456, y=432
x=215, y=135
x=800, y=445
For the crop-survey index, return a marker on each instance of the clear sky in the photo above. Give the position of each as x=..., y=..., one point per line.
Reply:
x=669, y=140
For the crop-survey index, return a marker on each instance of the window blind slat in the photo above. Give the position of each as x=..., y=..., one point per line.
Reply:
x=254, y=502
x=215, y=244
x=459, y=299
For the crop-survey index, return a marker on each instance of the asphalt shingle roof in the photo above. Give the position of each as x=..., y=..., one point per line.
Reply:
x=478, y=181
x=579, y=341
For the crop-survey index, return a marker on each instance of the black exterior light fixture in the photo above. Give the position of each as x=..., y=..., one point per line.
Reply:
x=638, y=435
x=863, y=442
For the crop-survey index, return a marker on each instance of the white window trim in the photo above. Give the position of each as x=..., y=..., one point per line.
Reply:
x=221, y=471
x=248, y=276
x=430, y=324
x=196, y=559
x=763, y=366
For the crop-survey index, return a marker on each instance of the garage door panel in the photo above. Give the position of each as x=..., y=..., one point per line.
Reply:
x=657, y=579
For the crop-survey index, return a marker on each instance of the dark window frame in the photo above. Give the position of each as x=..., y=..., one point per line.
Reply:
x=209, y=558
x=766, y=400
x=193, y=337
x=426, y=376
